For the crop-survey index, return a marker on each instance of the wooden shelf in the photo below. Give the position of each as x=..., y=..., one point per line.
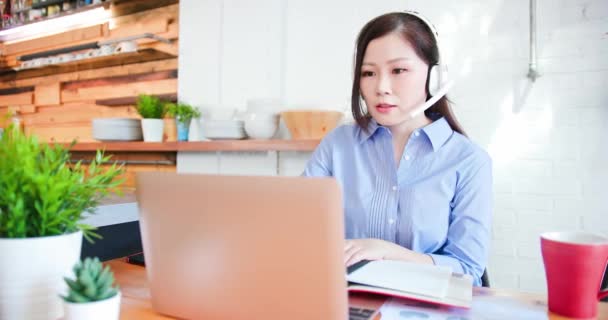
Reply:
x=215, y=145
x=172, y=97
x=143, y=55
x=59, y=15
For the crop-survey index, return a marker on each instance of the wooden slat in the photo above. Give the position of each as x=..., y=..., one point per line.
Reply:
x=152, y=66
x=149, y=76
x=128, y=90
x=13, y=110
x=27, y=109
x=156, y=26
x=135, y=6
x=129, y=101
x=132, y=169
x=169, y=12
x=16, y=90
x=17, y=99
x=92, y=63
x=172, y=48
x=71, y=113
x=65, y=38
x=216, y=145
x=48, y=94
x=127, y=156
x=66, y=132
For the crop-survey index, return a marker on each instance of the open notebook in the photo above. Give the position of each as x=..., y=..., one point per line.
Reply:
x=428, y=283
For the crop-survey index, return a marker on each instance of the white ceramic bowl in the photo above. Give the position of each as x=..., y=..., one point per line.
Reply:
x=117, y=129
x=262, y=128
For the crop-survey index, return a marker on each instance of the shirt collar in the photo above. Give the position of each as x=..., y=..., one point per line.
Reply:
x=372, y=127
x=438, y=132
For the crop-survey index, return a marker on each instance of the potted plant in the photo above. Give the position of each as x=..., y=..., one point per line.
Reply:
x=92, y=294
x=42, y=201
x=183, y=114
x=152, y=110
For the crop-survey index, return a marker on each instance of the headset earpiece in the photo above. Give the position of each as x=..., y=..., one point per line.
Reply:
x=438, y=76
x=438, y=80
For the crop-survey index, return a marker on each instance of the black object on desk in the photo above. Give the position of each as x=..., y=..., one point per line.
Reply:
x=137, y=259
x=119, y=240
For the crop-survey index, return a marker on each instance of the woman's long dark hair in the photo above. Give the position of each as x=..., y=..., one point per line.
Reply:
x=419, y=35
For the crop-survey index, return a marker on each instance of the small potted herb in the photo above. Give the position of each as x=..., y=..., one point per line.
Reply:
x=183, y=114
x=152, y=110
x=92, y=294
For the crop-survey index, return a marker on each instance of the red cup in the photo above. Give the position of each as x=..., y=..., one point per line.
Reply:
x=575, y=263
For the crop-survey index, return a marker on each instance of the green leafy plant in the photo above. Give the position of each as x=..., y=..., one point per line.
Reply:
x=182, y=111
x=41, y=194
x=93, y=282
x=150, y=107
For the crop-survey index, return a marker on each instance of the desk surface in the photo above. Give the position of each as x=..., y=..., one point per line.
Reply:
x=136, y=297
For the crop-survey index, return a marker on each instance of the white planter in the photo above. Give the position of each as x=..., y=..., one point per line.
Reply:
x=152, y=129
x=108, y=309
x=31, y=275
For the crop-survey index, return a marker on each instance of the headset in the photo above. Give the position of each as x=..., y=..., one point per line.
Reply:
x=438, y=80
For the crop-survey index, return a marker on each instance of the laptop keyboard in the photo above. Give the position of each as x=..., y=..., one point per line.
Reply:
x=360, y=313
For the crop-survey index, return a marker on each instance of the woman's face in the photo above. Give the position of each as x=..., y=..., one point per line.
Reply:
x=393, y=79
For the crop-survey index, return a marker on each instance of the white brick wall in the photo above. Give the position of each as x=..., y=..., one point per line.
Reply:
x=549, y=150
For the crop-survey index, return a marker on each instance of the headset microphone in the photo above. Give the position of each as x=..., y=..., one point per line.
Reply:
x=442, y=92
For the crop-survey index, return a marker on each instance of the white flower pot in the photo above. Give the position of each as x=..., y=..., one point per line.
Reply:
x=152, y=129
x=31, y=275
x=108, y=309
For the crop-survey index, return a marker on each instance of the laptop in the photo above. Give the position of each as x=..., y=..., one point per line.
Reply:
x=243, y=247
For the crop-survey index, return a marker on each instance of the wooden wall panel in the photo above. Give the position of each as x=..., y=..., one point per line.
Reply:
x=77, y=112
x=17, y=99
x=61, y=39
x=59, y=107
x=160, y=65
x=67, y=132
x=27, y=109
x=47, y=94
x=163, y=21
x=126, y=90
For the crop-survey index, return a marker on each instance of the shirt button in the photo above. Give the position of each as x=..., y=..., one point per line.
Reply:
x=407, y=157
x=394, y=188
x=416, y=133
x=391, y=221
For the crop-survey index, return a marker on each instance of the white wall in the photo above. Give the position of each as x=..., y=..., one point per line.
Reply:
x=550, y=155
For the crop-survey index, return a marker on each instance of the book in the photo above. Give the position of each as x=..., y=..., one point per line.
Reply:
x=426, y=283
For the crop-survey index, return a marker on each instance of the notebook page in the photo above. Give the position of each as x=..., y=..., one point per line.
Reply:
x=428, y=280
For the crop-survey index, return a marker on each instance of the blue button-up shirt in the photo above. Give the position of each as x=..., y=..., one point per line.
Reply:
x=438, y=201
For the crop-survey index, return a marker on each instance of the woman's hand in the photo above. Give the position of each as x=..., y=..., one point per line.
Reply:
x=376, y=249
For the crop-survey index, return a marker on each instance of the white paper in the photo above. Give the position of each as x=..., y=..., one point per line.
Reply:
x=483, y=308
x=428, y=280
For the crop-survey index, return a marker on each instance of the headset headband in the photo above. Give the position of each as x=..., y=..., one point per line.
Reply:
x=431, y=27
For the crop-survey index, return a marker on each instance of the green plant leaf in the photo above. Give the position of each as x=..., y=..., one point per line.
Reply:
x=44, y=195
x=150, y=107
x=182, y=111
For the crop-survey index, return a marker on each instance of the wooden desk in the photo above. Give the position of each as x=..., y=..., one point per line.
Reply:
x=136, y=296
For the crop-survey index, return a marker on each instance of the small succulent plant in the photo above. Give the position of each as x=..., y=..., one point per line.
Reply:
x=93, y=282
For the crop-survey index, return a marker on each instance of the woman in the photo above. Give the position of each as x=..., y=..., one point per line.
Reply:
x=415, y=187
